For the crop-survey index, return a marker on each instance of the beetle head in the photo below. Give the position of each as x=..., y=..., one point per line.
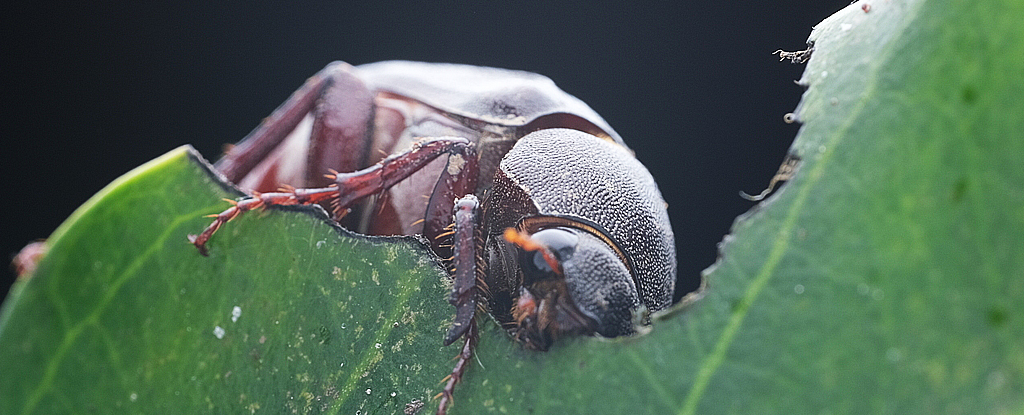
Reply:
x=574, y=282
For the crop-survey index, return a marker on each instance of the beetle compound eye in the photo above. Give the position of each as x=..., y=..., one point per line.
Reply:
x=535, y=264
x=540, y=254
x=560, y=241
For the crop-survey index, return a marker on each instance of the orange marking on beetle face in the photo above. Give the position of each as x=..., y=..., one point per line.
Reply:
x=526, y=306
x=523, y=240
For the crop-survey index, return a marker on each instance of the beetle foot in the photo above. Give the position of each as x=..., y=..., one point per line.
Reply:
x=291, y=196
x=464, y=357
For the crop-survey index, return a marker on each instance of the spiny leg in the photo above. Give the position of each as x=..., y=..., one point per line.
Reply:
x=347, y=188
x=292, y=197
x=464, y=291
x=458, y=179
x=464, y=357
x=466, y=266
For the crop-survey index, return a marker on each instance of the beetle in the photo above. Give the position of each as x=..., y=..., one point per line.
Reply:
x=550, y=223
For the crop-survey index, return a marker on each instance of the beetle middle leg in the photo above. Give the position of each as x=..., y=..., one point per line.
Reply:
x=458, y=178
x=347, y=187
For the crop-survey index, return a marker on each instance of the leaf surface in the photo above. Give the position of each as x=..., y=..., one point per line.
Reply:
x=886, y=277
x=123, y=315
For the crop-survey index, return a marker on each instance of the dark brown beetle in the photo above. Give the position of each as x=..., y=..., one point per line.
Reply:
x=557, y=228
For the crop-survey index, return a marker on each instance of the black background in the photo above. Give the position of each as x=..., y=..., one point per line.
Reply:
x=92, y=91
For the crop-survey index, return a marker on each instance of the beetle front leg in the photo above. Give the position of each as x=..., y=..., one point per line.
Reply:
x=348, y=187
x=447, y=395
x=466, y=264
x=457, y=179
x=465, y=289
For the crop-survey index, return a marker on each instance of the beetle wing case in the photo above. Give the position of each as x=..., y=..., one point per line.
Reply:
x=495, y=96
x=574, y=174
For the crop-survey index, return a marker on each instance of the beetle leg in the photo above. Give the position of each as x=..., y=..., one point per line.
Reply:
x=456, y=180
x=460, y=368
x=381, y=176
x=464, y=291
x=348, y=187
x=340, y=107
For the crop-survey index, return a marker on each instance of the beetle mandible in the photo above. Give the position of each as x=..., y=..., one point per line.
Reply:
x=550, y=222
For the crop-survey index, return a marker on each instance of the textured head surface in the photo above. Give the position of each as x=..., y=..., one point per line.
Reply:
x=594, y=279
x=574, y=174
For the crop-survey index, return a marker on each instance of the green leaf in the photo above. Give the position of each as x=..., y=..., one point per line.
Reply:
x=123, y=313
x=886, y=277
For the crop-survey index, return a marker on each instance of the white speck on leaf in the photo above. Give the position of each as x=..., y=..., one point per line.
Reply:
x=863, y=289
x=893, y=354
x=799, y=289
x=877, y=294
x=367, y=391
x=219, y=332
x=236, y=313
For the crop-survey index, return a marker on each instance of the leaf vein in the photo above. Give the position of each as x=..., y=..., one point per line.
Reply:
x=645, y=370
x=710, y=365
x=75, y=331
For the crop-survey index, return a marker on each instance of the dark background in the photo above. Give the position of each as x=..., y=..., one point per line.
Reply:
x=92, y=91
